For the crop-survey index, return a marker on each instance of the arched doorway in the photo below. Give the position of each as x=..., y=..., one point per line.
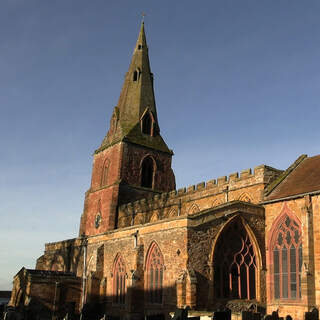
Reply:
x=234, y=263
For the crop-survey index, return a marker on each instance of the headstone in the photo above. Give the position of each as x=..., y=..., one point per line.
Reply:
x=180, y=314
x=312, y=315
x=257, y=316
x=246, y=315
x=274, y=315
x=221, y=315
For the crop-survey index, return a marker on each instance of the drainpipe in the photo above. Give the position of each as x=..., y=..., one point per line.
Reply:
x=84, y=276
x=226, y=190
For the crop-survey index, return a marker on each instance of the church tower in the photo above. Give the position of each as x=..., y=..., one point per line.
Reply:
x=133, y=161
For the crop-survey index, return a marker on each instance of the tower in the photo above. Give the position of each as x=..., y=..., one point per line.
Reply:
x=133, y=161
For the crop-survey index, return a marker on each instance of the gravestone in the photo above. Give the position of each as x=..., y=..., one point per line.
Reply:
x=221, y=315
x=312, y=315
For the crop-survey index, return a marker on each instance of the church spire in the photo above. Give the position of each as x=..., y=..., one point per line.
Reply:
x=135, y=116
x=133, y=161
x=137, y=92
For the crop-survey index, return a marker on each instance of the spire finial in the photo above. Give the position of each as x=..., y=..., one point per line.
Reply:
x=143, y=15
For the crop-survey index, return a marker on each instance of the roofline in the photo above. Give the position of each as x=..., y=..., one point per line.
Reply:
x=273, y=185
x=300, y=195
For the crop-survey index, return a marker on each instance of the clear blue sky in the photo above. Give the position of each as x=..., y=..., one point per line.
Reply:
x=237, y=85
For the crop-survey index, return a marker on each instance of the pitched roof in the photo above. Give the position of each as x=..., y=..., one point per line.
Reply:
x=304, y=178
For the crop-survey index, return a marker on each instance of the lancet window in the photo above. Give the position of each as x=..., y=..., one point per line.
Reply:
x=147, y=172
x=155, y=269
x=104, y=175
x=235, y=264
x=119, y=281
x=286, y=259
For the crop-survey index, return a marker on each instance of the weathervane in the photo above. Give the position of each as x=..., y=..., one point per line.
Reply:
x=143, y=15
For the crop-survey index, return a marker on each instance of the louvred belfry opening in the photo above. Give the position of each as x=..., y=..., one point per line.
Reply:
x=235, y=264
x=147, y=172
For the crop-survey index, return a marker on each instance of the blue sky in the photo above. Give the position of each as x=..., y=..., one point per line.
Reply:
x=237, y=85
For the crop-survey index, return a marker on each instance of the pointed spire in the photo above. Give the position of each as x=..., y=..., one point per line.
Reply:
x=141, y=41
x=137, y=91
x=135, y=101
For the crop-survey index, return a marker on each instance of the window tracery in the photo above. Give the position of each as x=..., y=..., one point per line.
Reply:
x=235, y=264
x=155, y=269
x=119, y=281
x=286, y=259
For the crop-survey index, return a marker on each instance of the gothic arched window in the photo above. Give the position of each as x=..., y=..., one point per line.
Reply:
x=155, y=267
x=147, y=124
x=147, y=172
x=286, y=259
x=104, y=175
x=119, y=281
x=235, y=264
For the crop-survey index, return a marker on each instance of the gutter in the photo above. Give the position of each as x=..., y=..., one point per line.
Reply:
x=301, y=195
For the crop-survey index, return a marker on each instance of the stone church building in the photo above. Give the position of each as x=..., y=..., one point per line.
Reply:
x=247, y=240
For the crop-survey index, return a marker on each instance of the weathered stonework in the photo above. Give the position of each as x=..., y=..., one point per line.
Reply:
x=145, y=248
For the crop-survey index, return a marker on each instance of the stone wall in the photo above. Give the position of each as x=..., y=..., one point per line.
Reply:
x=306, y=210
x=247, y=186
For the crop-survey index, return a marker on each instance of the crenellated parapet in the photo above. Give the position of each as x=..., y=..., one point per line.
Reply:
x=62, y=256
x=248, y=186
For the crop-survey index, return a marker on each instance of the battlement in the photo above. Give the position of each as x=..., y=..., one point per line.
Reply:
x=59, y=245
x=174, y=200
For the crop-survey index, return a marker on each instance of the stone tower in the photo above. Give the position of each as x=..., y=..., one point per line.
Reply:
x=133, y=161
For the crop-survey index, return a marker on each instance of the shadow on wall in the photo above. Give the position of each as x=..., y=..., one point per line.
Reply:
x=133, y=303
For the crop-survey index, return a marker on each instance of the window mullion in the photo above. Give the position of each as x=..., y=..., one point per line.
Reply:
x=280, y=272
x=289, y=271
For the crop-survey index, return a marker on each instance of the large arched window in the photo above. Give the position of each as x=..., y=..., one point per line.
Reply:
x=104, y=174
x=234, y=263
x=155, y=267
x=286, y=258
x=147, y=172
x=119, y=281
